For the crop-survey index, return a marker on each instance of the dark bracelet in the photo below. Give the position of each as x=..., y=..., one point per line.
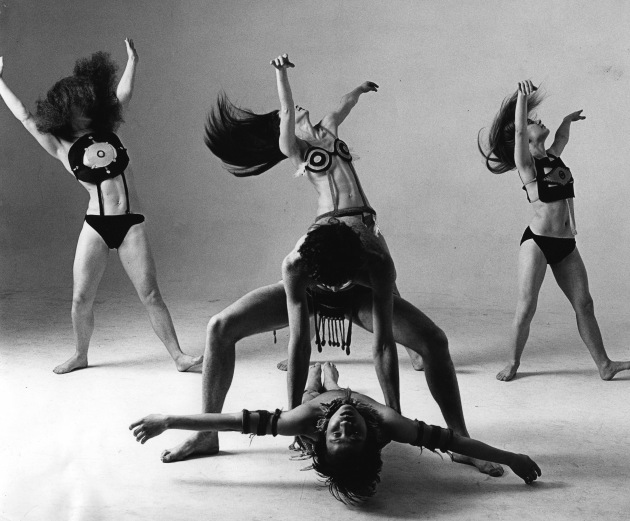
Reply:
x=274, y=422
x=245, y=422
x=262, y=422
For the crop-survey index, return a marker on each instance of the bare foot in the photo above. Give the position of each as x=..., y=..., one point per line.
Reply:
x=72, y=364
x=199, y=444
x=282, y=366
x=314, y=379
x=608, y=371
x=485, y=467
x=331, y=376
x=416, y=360
x=186, y=362
x=508, y=372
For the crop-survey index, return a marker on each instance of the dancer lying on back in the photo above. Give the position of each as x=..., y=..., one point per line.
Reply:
x=344, y=433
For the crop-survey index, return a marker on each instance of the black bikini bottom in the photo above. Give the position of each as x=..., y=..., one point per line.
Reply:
x=554, y=249
x=113, y=228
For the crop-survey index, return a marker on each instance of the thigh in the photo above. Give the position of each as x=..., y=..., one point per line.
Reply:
x=570, y=274
x=410, y=325
x=532, y=266
x=263, y=309
x=137, y=259
x=90, y=260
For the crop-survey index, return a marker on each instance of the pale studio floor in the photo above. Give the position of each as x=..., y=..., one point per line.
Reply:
x=67, y=453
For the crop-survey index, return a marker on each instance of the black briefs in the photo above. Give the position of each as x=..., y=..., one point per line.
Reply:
x=554, y=249
x=113, y=228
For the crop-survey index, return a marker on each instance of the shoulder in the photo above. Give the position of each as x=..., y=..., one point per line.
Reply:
x=326, y=128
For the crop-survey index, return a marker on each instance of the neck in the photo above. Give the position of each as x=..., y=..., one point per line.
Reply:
x=537, y=150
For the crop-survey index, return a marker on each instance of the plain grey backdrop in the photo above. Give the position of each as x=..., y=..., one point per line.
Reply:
x=443, y=69
x=453, y=228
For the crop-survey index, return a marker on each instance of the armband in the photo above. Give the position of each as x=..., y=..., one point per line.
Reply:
x=263, y=421
x=433, y=437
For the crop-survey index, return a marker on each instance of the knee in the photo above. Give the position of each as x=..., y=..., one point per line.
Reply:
x=434, y=344
x=151, y=297
x=525, y=312
x=221, y=328
x=80, y=301
x=584, y=306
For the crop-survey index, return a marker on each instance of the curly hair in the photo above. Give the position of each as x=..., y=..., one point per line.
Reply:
x=331, y=253
x=502, y=135
x=246, y=142
x=351, y=478
x=90, y=91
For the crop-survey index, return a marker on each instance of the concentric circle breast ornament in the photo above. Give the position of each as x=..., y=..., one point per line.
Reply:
x=99, y=155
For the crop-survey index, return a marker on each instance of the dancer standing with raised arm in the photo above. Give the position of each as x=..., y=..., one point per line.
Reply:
x=518, y=142
x=75, y=124
x=345, y=431
x=341, y=269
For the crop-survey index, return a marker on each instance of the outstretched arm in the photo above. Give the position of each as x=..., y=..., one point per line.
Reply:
x=299, y=328
x=404, y=430
x=290, y=423
x=562, y=134
x=50, y=143
x=332, y=120
x=287, y=141
x=125, y=85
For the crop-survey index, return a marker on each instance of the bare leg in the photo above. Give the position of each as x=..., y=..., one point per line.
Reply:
x=331, y=377
x=313, y=383
x=415, y=330
x=136, y=258
x=89, y=264
x=571, y=276
x=532, y=266
x=261, y=310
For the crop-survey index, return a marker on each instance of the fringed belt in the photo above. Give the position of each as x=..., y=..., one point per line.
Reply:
x=330, y=310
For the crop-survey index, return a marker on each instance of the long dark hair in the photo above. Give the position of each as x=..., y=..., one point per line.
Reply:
x=502, y=136
x=246, y=142
x=353, y=478
x=91, y=91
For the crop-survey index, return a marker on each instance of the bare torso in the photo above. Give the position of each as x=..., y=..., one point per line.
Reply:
x=345, y=188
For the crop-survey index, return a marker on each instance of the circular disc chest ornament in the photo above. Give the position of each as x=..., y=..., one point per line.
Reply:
x=99, y=155
x=318, y=160
x=342, y=150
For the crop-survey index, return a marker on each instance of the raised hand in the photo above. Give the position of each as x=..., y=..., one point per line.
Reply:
x=525, y=468
x=575, y=116
x=132, y=54
x=282, y=62
x=149, y=427
x=526, y=87
x=368, y=86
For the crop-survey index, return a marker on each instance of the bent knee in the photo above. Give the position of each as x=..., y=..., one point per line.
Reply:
x=434, y=343
x=222, y=327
